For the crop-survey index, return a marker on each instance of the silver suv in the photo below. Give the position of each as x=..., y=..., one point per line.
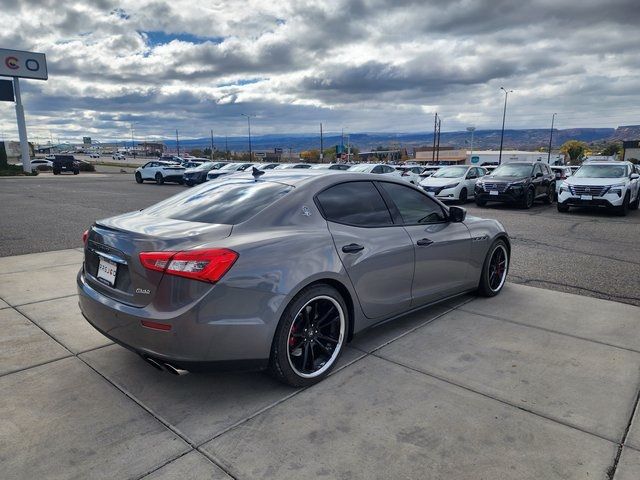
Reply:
x=614, y=185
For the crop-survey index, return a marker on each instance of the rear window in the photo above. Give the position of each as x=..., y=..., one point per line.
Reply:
x=228, y=203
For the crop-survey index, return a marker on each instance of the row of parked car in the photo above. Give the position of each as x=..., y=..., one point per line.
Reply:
x=615, y=185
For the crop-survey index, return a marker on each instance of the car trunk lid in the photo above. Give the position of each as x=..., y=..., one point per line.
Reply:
x=114, y=245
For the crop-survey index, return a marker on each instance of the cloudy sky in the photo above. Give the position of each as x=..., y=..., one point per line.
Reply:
x=361, y=65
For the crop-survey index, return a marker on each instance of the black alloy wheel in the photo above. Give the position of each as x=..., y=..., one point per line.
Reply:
x=529, y=198
x=463, y=196
x=159, y=178
x=310, y=336
x=138, y=177
x=494, y=270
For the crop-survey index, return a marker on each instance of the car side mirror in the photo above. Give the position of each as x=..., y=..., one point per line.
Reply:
x=634, y=176
x=457, y=214
x=538, y=175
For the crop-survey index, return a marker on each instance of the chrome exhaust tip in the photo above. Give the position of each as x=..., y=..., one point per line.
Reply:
x=174, y=370
x=154, y=364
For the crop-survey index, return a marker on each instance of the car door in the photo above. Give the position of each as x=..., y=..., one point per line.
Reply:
x=144, y=171
x=470, y=180
x=442, y=248
x=377, y=254
x=538, y=180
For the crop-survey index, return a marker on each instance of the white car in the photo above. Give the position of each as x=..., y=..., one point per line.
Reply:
x=228, y=169
x=379, y=168
x=40, y=162
x=284, y=166
x=411, y=173
x=118, y=156
x=160, y=172
x=615, y=185
x=455, y=182
x=94, y=155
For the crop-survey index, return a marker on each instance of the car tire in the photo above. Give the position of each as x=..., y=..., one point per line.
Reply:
x=548, y=199
x=56, y=172
x=462, y=198
x=528, y=199
x=138, y=177
x=494, y=270
x=159, y=178
x=294, y=342
x=481, y=202
x=562, y=208
x=76, y=172
x=623, y=209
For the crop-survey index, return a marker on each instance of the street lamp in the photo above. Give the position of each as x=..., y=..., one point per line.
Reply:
x=471, y=129
x=133, y=152
x=504, y=114
x=249, y=127
x=553, y=117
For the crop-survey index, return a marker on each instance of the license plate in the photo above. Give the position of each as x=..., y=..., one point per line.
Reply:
x=494, y=192
x=586, y=197
x=107, y=271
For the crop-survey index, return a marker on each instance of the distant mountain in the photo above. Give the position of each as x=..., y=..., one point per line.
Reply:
x=528, y=139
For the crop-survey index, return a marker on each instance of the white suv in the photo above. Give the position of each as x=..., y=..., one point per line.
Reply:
x=602, y=184
x=160, y=172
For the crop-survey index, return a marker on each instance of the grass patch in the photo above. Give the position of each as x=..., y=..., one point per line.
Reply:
x=15, y=170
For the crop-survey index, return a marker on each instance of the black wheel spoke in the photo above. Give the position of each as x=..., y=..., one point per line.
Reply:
x=326, y=338
x=315, y=336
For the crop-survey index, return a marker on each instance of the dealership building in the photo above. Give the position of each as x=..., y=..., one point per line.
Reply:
x=450, y=156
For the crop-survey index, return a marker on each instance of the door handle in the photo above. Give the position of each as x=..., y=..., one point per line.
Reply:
x=352, y=248
x=424, y=242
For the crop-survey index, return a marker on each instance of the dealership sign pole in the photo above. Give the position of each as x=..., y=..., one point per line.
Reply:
x=19, y=64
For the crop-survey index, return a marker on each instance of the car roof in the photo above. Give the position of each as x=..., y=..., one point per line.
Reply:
x=607, y=162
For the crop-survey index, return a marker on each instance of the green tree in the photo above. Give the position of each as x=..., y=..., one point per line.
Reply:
x=196, y=152
x=610, y=149
x=3, y=157
x=575, y=149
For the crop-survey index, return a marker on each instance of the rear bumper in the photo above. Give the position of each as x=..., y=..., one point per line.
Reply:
x=173, y=178
x=196, y=342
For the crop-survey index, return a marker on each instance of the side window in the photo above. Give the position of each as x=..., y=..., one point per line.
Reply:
x=377, y=169
x=471, y=174
x=387, y=169
x=536, y=170
x=147, y=165
x=415, y=207
x=481, y=172
x=355, y=203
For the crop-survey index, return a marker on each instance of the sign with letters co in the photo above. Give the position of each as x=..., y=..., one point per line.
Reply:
x=18, y=63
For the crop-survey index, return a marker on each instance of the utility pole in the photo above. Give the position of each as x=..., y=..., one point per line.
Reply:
x=504, y=115
x=212, y=145
x=177, y=143
x=321, y=144
x=472, y=130
x=22, y=127
x=249, y=126
x=553, y=117
x=226, y=147
x=133, y=152
x=348, y=147
x=435, y=127
x=438, y=147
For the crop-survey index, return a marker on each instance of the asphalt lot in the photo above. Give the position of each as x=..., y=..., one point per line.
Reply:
x=588, y=252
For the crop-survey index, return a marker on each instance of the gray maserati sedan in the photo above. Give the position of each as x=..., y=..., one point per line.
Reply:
x=279, y=270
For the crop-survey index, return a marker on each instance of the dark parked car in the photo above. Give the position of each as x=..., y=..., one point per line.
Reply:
x=65, y=163
x=279, y=271
x=194, y=176
x=517, y=182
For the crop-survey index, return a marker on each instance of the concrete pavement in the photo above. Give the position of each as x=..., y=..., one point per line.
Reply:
x=530, y=384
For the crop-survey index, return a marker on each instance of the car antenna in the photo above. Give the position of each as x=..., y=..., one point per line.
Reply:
x=256, y=173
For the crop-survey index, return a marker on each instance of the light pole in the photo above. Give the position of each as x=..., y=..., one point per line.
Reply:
x=133, y=152
x=249, y=127
x=471, y=129
x=553, y=117
x=504, y=115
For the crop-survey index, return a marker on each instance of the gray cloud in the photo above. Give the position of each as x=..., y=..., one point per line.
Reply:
x=364, y=64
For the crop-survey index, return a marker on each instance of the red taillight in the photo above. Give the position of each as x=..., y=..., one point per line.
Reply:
x=85, y=237
x=204, y=265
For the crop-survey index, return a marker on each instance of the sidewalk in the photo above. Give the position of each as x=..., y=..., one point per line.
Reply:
x=530, y=384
